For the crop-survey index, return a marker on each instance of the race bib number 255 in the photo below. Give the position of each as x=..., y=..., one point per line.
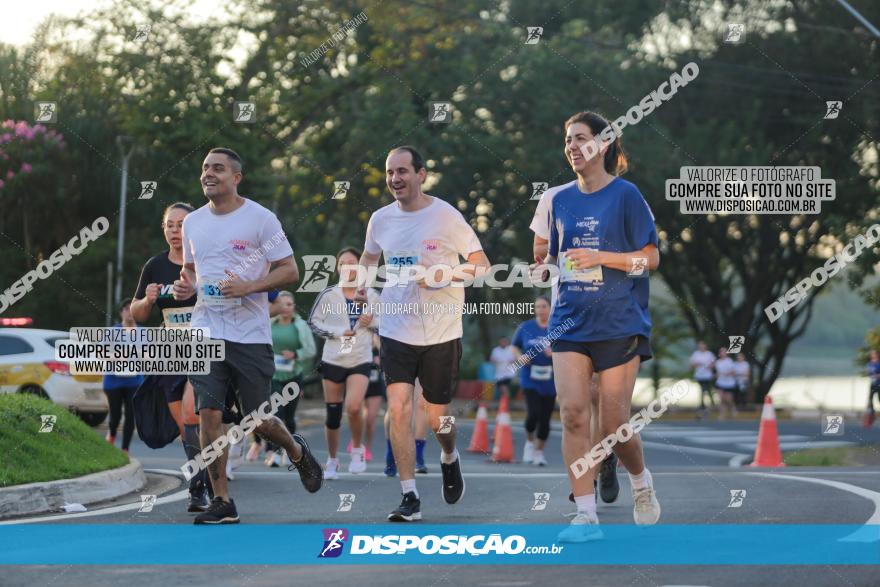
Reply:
x=403, y=258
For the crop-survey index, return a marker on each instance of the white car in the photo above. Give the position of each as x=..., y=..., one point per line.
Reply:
x=28, y=365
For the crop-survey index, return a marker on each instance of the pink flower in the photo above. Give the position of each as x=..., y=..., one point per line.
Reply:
x=26, y=168
x=6, y=138
x=1, y=184
x=8, y=124
x=39, y=128
x=9, y=174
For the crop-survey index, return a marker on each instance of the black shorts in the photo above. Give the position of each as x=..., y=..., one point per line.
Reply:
x=377, y=387
x=434, y=365
x=606, y=354
x=338, y=374
x=727, y=388
x=172, y=386
x=247, y=367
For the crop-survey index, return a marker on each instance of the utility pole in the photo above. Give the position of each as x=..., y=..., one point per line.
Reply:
x=126, y=146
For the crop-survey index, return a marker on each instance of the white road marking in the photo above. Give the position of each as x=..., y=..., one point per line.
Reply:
x=735, y=459
x=179, y=496
x=870, y=531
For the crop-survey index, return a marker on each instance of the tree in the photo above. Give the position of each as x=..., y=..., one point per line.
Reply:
x=725, y=270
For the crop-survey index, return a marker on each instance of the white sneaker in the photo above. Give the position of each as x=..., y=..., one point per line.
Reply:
x=529, y=452
x=331, y=469
x=273, y=459
x=646, y=511
x=583, y=528
x=358, y=463
x=236, y=452
x=538, y=459
x=230, y=476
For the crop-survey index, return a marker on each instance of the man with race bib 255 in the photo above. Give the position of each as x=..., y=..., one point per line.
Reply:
x=421, y=231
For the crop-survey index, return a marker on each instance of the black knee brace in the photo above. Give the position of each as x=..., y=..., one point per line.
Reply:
x=334, y=416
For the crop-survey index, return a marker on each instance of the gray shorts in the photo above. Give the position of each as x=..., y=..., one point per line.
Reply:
x=248, y=367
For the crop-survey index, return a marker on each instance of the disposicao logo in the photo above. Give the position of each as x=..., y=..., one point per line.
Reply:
x=334, y=541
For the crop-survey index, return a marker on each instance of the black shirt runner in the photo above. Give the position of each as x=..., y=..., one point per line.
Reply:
x=161, y=270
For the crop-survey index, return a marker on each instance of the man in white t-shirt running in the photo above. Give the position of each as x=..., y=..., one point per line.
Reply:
x=703, y=363
x=503, y=359
x=234, y=251
x=419, y=230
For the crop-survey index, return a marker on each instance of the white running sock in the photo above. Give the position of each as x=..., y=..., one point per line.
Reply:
x=409, y=485
x=448, y=459
x=642, y=480
x=586, y=504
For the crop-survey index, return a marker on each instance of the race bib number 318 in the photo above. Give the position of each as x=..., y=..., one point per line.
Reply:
x=211, y=294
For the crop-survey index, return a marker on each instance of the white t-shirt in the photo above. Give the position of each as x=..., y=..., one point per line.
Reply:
x=245, y=242
x=503, y=359
x=702, y=362
x=741, y=370
x=331, y=316
x=726, y=371
x=436, y=234
x=541, y=226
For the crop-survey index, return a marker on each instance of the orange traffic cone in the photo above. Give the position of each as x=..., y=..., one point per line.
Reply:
x=502, y=452
x=767, y=452
x=480, y=439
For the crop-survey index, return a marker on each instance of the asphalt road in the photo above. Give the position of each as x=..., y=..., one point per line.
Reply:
x=693, y=466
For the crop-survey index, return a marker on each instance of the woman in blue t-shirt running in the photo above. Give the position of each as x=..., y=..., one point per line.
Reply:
x=536, y=379
x=603, y=238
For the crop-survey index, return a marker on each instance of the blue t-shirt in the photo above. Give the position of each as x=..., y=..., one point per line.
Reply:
x=874, y=372
x=355, y=310
x=112, y=381
x=531, y=339
x=615, y=219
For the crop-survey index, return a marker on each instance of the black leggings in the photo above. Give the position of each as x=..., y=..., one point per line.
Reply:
x=875, y=390
x=116, y=398
x=539, y=408
x=192, y=446
x=706, y=389
x=287, y=413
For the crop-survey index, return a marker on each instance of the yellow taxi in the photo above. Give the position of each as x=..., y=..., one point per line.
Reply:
x=28, y=365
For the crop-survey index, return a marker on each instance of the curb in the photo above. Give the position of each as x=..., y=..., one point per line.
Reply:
x=48, y=496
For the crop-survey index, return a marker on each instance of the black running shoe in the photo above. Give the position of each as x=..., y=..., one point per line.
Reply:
x=422, y=468
x=453, y=482
x=198, y=500
x=409, y=509
x=310, y=472
x=608, y=485
x=219, y=512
